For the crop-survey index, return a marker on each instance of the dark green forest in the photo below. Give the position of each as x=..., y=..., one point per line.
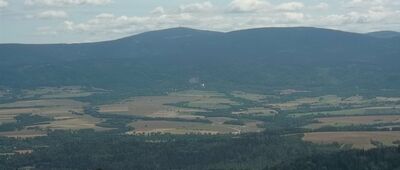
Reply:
x=89, y=150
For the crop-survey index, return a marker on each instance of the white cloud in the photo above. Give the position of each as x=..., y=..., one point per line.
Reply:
x=197, y=7
x=290, y=6
x=52, y=14
x=320, y=6
x=61, y=3
x=248, y=5
x=158, y=10
x=3, y=3
x=294, y=16
x=239, y=14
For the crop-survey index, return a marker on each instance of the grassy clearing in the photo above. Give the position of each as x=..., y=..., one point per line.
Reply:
x=354, y=120
x=212, y=103
x=361, y=140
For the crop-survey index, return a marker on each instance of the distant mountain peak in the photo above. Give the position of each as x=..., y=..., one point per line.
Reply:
x=384, y=34
x=172, y=33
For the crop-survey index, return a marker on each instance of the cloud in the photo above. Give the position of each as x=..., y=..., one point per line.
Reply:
x=3, y=3
x=290, y=6
x=61, y=3
x=320, y=6
x=108, y=24
x=248, y=5
x=52, y=14
x=158, y=10
x=294, y=16
x=197, y=7
x=239, y=14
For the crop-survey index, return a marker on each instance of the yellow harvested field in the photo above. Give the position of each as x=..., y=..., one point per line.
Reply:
x=219, y=120
x=157, y=106
x=249, y=96
x=152, y=106
x=49, y=108
x=175, y=127
x=355, y=112
x=7, y=118
x=23, y=134
x=361, y=140
x=354, y=120
x=72, y=123
x=58, y=109
x=327, y=100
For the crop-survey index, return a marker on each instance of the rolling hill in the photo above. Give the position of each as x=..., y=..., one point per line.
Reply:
x=257, y=59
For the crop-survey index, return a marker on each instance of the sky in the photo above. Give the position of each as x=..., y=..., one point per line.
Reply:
x=76, y=21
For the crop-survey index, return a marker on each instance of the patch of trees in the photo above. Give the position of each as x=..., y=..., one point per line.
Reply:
x=90, y=150
x=375, y=159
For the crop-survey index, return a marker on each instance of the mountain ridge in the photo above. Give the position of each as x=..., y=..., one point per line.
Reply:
x=295, y=57
x=187, y=29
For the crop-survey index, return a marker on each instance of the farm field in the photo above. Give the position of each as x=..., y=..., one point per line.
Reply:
x=72, y=123
x=360, y=140
x=151, y=106
x=68, y=114
x=60, y=111
x=59, y=92
x=162, y=106
x=250, y=96
x=354, y=120
x=395, y=109
x=216, y=127
x=257, y=111
x=43, y=107
x=320, y=101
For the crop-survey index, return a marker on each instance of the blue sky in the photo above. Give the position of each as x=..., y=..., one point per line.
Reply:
x=71, y=21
